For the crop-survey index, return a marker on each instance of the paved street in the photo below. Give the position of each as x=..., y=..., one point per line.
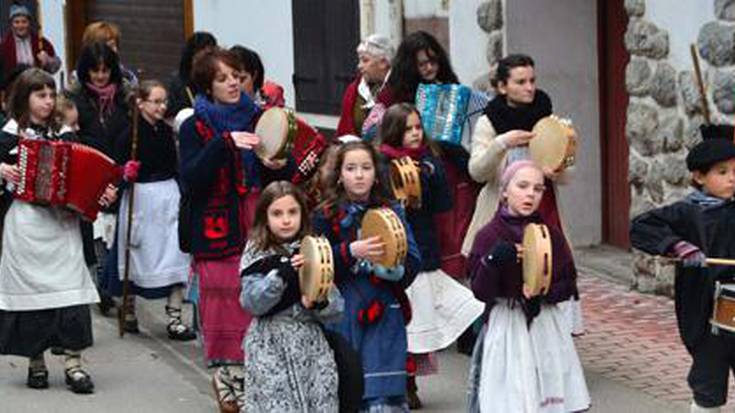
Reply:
x=631, y=353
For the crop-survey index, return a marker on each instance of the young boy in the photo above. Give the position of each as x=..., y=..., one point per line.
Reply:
x=699, y=226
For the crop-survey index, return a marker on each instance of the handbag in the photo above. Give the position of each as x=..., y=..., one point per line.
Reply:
x=349, y=370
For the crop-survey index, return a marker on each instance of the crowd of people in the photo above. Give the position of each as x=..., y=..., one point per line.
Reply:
x=215, y=224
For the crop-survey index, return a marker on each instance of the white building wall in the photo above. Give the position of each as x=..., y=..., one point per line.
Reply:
x=682, y=21
x=262, y=25
x=52, y=18
x=564, y=46
x=467, y=42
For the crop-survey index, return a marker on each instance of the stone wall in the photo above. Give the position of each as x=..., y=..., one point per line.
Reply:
x=664, y=114
x=491, y=21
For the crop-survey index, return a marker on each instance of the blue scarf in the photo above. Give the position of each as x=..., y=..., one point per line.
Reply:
x=226, y=118
x=703, y=199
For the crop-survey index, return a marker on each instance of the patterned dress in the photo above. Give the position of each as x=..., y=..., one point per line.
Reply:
x=289, y=365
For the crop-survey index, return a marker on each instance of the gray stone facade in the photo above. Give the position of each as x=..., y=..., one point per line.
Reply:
x=491, y=20
x=664, y=114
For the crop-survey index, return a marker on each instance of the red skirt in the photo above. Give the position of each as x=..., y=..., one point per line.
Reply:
x=224, y=322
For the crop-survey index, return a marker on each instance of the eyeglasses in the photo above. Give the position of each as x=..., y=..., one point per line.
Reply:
x=158, y=102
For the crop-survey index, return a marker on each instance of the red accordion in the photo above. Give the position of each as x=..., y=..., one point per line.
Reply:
x=64, y=174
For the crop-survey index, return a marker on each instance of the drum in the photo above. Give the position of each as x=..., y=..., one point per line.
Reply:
x=723, y=313
x=277, y=129
x=316, y=276
x=384, y=223
x=405, y=180
x=536, y=258
x=70, y=175
x=308, y=147
x=443, y=109
x=555, y=143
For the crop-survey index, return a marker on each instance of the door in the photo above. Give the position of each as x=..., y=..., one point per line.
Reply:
x=613, y=103
x=326, y=34
x=152, y=31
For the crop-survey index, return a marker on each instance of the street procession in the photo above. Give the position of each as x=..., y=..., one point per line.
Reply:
x=367, y=206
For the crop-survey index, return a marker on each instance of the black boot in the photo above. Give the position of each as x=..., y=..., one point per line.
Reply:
x=79, y=381
x=37, y=373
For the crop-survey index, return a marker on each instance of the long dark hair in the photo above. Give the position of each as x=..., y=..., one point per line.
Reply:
x=404, y=77
x=96, y=54
x=261, y=237
x=29, y=81
x=197, y=41
x=335, y=191
x=251, y=63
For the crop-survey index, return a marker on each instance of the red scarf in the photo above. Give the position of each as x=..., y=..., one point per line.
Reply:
x=396, y=153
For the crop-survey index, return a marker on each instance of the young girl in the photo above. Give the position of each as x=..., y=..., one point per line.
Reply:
x=442, y=308
x=157, y=267
x=376, y=306
x=45, y=285
x=699, y=225
x=529, y=363
x=289, y=365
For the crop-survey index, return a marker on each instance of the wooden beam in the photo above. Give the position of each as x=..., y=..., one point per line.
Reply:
x=188, y=19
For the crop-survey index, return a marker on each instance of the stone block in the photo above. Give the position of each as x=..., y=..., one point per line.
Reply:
x=635, y=8
x=663, y=85
x=638, y=75
x=494, y=50
x=670, y=132
x=675, y=172
x=725, y=9
x=723, y=91
x=640, y=128
x=654, y=184
x=689, y=92
x=716, y=43
x=644, y=38
x=490, y=15
x=637, y=168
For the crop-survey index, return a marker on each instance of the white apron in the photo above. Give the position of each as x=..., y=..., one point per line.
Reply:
x=42, y=264
x=441, y=310
x=155, y=257
x=529, y=371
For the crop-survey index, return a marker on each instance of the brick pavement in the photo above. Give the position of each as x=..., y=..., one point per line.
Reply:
x=632, y=338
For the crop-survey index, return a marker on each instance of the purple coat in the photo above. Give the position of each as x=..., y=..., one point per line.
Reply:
x=490, y=282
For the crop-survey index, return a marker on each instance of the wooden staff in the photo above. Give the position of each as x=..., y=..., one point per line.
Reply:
x=708, y=261
x=39, y=21
x=700, y=83
x=131, y=204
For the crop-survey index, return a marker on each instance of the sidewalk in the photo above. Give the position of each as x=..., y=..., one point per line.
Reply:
x=631, y=338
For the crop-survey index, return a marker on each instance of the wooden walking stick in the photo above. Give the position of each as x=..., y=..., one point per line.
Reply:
x=129, y=226
x=39, y=23
x=700, y=83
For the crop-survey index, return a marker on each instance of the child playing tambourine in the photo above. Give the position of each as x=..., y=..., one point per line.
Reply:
x=289, y=365
x=376, y=306
x=529, y=363
x=441, y=307
x=699, y=225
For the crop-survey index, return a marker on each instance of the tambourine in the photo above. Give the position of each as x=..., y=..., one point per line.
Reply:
x=536, y=258
x=555, y=143
x=383, y=222
x=277, y=129
x=316, y=276
x=405, y=180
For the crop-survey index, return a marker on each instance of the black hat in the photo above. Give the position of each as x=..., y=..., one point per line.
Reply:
x=710, y=131
x=709, y=152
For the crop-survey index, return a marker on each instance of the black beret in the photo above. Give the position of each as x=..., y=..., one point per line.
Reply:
x=717, y=131
x=709, y=152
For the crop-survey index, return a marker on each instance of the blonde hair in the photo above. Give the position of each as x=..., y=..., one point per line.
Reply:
x=101, y=31
x=63, y=103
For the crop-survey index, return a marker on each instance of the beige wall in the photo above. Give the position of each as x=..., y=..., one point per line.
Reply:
x=562, y=39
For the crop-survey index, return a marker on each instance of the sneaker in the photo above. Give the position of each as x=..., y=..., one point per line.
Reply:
x=37, y=378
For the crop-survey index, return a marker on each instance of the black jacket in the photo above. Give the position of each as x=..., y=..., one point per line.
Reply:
x=710, y=229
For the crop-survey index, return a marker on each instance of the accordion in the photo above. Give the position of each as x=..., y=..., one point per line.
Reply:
x=65, y=174
x=443, y=109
